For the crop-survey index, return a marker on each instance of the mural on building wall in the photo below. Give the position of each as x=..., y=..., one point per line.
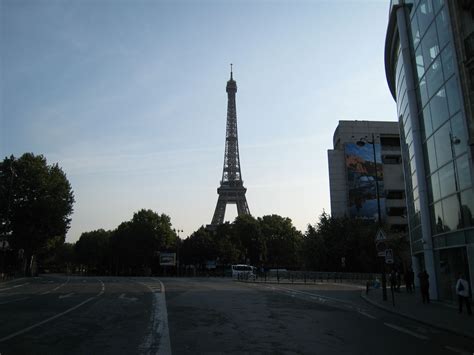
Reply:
x=361, y=181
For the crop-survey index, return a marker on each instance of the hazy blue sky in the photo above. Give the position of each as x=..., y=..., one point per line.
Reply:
x=129, y=98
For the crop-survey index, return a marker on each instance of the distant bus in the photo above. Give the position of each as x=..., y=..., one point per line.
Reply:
x=243, y=271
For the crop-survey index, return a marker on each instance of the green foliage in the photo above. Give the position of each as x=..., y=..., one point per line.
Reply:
x=268, y=241
x=37, y=202
x=92, y=250
x=134, y=244
x=332, y=239
x=282, y=241
x=199, y=248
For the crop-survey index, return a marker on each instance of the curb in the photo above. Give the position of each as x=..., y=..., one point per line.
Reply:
x=405, y=315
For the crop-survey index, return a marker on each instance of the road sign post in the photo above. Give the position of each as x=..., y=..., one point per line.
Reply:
x=389, y=256
x=380, y=239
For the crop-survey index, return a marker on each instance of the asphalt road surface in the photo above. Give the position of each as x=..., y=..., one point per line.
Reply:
x=115, y=315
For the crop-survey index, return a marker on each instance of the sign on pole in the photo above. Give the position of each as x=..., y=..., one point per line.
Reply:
x=4, y=244
x=380, y=245
x=380, y=237
x=389, y=256
x=168, y=259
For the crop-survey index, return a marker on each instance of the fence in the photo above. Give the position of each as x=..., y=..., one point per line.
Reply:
x=313, y=277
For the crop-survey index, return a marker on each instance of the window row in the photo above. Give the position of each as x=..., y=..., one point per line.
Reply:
x=448, y=142
x=452, y=213
x=444, y=104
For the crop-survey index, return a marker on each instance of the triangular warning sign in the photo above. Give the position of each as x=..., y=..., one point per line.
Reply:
x=380, y=236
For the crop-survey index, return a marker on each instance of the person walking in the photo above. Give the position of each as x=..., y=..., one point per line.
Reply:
x=462, y=290
x=409, y=280
x=424, y=286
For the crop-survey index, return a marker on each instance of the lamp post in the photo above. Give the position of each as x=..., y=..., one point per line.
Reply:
x=361, y=142
x=177, y=231
x=453, y=140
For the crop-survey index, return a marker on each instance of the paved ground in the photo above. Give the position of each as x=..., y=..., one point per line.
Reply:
x=438, y=314
x=207, y=316
x=107, y=315
x=78, y=315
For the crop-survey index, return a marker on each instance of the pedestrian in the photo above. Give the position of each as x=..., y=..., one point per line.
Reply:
x=393, y=280
x=399, y=280
x=424, y=286
x=462, y=290
x=412, y=279
x=408, y=281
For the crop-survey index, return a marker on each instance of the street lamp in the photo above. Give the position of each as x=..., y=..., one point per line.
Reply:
x=177, y=231
x=453, y=140
x=360, y=143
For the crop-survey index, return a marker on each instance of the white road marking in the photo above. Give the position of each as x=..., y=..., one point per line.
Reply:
x=158, y=331
x=66, y=296
x=15, y=300
x=457, y=350
x=406, y=331
x=367, y=315
x=69, y=310
x=56, y=288
x=9, y=288
x=123, y=297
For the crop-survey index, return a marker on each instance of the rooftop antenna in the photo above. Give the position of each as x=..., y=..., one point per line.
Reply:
x=231, y=71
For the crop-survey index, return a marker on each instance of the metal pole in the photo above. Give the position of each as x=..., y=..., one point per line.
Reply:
x=384, y=278
x=452, y=141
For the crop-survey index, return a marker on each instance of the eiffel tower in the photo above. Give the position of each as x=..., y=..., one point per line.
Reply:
x=232, y=188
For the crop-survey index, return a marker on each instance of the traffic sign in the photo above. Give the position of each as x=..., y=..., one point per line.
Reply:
x=4, y=244
x=380, y=237
x=389, y=256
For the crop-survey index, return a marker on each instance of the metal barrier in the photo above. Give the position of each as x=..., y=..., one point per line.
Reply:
x=316, y=276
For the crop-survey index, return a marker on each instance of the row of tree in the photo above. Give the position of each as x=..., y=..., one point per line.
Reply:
x=37, y=202
x=333, y=244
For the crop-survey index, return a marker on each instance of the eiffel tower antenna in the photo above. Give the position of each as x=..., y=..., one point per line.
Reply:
x=231, y=190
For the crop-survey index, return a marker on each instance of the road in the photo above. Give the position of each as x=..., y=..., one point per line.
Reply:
x=114, y=315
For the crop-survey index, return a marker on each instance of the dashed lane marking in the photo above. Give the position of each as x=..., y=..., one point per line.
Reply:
x=56, y=288
x=367, y=315
x=123, y=297
x=66, y=296
x=406, y=331
x=15, y=300
x=16, y=286
x=457, y=350
x=69, y=310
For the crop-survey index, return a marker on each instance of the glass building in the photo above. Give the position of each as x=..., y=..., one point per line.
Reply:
x=429, y=63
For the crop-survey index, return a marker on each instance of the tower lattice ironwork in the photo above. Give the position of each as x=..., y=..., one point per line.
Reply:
x=231, y=190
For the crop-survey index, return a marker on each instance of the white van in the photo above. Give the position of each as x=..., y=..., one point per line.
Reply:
x=243, y=272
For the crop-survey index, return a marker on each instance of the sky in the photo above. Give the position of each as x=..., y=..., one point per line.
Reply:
x=128, y=97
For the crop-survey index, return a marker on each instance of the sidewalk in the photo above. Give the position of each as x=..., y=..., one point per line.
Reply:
x=436, y=314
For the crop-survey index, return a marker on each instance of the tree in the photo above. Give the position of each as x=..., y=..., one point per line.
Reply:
x=39, y=202
x=134, y=243
x=252, y=244
x=282, y=241
x=199, y=248
x=332, y=239
x=92, y=251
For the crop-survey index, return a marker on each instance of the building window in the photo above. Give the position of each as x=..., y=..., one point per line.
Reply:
x=398, y=228
x=394, y=194
x=390, y=142
x=397, y=211
x=469, y=45
x=391, y=159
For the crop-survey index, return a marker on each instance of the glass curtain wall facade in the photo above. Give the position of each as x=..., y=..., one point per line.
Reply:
x=435, y=106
